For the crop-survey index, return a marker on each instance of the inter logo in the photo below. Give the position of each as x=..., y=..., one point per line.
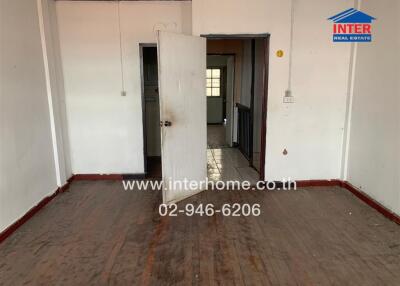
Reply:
x=352, y=26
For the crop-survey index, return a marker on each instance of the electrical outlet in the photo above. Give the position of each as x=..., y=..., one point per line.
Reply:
x=288, y=98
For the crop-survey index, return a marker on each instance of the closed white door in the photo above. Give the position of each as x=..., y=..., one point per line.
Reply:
x=182, y=89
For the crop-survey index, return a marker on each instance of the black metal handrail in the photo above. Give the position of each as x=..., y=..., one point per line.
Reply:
x=244, y=130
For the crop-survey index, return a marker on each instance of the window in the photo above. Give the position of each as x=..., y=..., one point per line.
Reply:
x=213, y=82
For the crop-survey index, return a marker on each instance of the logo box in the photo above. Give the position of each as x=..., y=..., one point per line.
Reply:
x=352, y=26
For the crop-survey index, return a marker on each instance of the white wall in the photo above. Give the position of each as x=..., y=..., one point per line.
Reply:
x=311, y=129
x=27, y=165
x=100, y=120
x=374, y=153
x=56, y=94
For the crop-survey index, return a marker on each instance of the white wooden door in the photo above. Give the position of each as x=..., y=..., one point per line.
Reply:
x=182, y=89
x=230, y=70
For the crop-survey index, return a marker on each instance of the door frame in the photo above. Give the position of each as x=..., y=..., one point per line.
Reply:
x=144, y=127
x=264, y=107
x=266, y=38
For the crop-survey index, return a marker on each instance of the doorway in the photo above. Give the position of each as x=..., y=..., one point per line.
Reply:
x=185, y=84
x=237, y=77
x=219, y=91
x=151, y=111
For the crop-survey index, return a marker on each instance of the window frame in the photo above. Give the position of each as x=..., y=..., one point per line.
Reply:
x=220, y=81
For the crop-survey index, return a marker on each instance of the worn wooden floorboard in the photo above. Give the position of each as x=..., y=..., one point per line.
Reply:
x=98, y=234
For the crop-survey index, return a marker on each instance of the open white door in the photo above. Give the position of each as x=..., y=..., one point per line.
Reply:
x=182, y=87
x=230, y=69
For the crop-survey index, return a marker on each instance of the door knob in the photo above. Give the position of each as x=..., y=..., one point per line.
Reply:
x=165, y=123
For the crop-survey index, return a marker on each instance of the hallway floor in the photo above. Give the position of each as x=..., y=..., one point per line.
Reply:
x=229, y=164
x=226, y=163
x=98, y=234
x=216, y=136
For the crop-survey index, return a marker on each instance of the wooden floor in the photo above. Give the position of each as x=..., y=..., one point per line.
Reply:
x=98, y=234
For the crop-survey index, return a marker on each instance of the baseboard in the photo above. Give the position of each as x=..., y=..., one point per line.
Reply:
x=371, y=202
x=12, y=228
x=308, y=183
x=96, y=177
x=134, y=176
x=318, y=183
x=355, y=191
x=107, y=177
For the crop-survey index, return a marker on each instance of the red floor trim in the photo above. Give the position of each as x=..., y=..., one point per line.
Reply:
x=10, y=230
x=96, y=177
x=371, y=202
x=355, y=191
x=318, y=183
